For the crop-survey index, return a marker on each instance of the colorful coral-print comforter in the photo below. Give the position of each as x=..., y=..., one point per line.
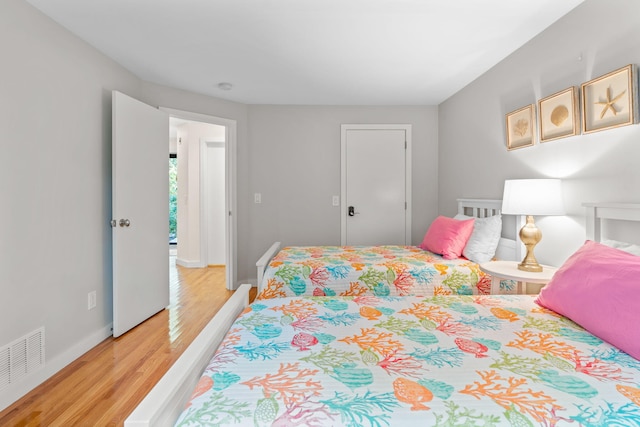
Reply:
x=373, y=270
x=413, y=361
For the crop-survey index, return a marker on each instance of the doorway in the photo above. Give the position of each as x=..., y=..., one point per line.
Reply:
x=206, y=204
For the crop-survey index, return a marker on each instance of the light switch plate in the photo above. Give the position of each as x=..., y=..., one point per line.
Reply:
x=91, y=300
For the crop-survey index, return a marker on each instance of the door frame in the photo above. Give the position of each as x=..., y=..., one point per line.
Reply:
x=231, y=232
x=343, y=173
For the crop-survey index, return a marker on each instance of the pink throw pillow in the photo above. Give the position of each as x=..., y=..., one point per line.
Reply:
x=598, y=287
x=447, y=236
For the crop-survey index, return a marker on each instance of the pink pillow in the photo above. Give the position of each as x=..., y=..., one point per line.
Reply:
x=598, y=287
x=447, y=236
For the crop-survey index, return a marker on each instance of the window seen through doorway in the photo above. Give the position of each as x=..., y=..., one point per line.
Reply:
x=173, y=199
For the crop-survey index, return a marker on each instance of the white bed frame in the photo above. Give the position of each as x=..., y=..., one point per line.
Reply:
x=508, y=249
x=597, y=212
x=164, y=403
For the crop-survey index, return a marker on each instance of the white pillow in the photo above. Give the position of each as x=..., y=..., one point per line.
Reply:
x=623, y=246
x=481, y=246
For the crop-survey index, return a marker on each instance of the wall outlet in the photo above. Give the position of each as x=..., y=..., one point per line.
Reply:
x=257, y=198
x=91, y=300
x=336, y=201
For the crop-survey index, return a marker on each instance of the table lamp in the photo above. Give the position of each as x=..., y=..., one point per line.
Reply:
x=532, y=197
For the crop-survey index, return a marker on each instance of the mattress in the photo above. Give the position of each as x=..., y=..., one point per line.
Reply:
x=465, y=360
x=370, y=270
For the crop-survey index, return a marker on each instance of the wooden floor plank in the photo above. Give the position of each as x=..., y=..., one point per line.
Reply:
x=103, y=386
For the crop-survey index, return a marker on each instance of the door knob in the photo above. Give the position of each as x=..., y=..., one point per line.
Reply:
x=351, y=211
x=125, y=223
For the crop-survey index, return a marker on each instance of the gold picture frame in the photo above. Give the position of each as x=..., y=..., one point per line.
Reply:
x=521, y=127
x=611, y=100
x=558, y=116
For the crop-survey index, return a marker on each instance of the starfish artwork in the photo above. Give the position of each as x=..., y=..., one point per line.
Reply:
x=608, y=104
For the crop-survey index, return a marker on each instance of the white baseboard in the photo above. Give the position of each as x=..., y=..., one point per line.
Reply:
x=189, y=264
x=252, y=282
x=51, y=367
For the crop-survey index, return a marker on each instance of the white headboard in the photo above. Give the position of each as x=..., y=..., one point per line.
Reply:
x=596, y=212
x=479, y=208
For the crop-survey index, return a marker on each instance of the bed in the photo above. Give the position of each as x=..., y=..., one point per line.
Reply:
x=418, y=360
x=393, y=270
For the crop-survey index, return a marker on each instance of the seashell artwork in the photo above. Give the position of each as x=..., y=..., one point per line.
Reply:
x=559, y=115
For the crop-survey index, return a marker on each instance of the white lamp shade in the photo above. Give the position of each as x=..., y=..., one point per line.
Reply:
x=532, y=197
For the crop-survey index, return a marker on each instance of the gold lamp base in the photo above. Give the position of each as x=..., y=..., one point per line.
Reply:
x=530, y=236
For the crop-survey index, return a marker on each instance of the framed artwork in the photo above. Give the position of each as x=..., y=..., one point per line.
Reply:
x=558, y=116
x=521, y=127
x=610, y=101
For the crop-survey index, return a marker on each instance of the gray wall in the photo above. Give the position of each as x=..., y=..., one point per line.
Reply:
x=295, y=165
x=602, y=166
x=55, y=181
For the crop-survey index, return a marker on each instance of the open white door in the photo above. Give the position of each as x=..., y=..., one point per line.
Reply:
x=140, y=212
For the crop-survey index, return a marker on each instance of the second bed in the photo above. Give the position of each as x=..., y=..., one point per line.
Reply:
x=392, y=270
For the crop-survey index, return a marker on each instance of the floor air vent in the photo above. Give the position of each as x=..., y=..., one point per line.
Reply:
x=22, y=357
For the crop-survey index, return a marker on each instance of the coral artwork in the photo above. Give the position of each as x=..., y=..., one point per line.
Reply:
x=521, y=127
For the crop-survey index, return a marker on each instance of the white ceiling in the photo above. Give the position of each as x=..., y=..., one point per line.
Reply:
x=309, y=52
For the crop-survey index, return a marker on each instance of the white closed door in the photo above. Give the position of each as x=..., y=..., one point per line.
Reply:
x=140, y=197
x=376, y=185
x=215, y=203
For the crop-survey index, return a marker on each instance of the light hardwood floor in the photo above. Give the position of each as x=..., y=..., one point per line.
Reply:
x=103, y=386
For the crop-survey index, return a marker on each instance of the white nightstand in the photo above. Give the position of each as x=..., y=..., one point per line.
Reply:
x=509, y=270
